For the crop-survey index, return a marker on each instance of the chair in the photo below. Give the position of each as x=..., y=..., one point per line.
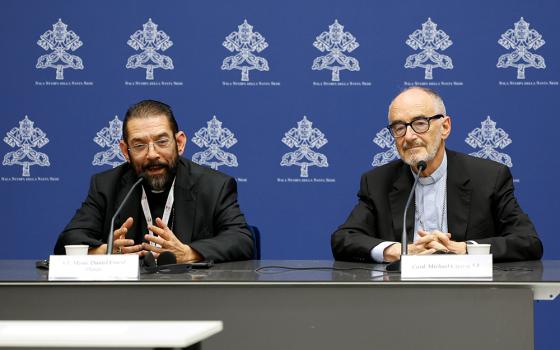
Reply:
x=256, y=234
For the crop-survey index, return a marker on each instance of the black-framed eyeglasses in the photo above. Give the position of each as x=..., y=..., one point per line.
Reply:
x=142, y=148
x=419, y=124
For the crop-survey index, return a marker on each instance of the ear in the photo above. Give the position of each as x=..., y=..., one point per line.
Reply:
x=181, y=139
x=446, y=127
x=124, y=150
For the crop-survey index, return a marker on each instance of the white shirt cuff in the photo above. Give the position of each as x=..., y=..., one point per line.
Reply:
x=377, y=251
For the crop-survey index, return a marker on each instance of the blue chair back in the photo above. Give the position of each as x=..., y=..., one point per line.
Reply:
x=256, y=241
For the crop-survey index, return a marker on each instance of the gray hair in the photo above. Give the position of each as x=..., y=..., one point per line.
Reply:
x=439, y=106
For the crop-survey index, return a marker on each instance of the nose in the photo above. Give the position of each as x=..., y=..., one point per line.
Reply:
x=410, y=134
x=152, y=152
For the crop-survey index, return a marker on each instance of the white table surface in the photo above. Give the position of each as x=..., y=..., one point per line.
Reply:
x=148, y=334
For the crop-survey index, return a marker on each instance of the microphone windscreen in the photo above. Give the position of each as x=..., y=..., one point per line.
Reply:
x=166, y=258
x=148, y=260
x=421, y=165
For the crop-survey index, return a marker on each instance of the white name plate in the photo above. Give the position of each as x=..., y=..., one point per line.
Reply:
x=446, y=266
x=114, y=267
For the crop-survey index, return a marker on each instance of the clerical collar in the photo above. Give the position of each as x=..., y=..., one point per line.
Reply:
x=437, y=174
x=151, y=191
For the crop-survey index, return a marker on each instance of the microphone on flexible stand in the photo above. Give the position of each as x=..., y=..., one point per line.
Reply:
x=111, y=228
x=395, y=266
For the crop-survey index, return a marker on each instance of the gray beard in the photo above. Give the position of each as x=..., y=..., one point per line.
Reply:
x=161, y=182
x=158, y=182
x=432, y=151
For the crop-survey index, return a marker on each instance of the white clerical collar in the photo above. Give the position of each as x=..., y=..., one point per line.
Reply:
x=437, y=174
x=157, y=191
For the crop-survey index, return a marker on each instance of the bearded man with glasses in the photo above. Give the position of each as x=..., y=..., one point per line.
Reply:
x=459, y=199
x=181, y=207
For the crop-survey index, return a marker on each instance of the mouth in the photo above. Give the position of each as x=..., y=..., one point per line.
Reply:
x=155, y=168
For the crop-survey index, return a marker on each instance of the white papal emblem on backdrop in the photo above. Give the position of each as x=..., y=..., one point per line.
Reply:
x=149, y=41
x=109, y=138
x=214, y=138
x=304, y=139
x=26, y=138
x=521, y=40
x=429, y=40
x=336, y=42
x=489, y=138
x=384, y=139
x=59, y=40
x=245, y=42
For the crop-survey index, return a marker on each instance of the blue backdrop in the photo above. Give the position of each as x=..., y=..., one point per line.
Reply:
x=495, y=110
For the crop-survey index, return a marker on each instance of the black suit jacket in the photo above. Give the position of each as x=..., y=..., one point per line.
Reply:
x=481, y=206
x=207, y=215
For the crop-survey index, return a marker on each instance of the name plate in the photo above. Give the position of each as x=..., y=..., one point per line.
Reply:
x=114, y=267
x=446, y=266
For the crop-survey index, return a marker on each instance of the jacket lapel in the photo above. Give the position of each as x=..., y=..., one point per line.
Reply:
x=458, y=198
x=397, y=201
x=185, y=203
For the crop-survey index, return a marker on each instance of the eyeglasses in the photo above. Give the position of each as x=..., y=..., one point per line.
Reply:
x=420, y=125
x=142, y=148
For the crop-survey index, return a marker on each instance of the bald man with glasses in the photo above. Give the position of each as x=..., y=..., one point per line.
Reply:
x=181, y=207
x=459, y=199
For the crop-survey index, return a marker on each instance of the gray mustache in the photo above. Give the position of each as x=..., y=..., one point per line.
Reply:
x=154, y=164
x=414, y=144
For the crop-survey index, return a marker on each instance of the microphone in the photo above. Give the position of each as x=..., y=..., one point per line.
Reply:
x=396, y=265
x=111, y=228
x=150, y=265
x=167, y=264
x=149, y=262
x=166, y=258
